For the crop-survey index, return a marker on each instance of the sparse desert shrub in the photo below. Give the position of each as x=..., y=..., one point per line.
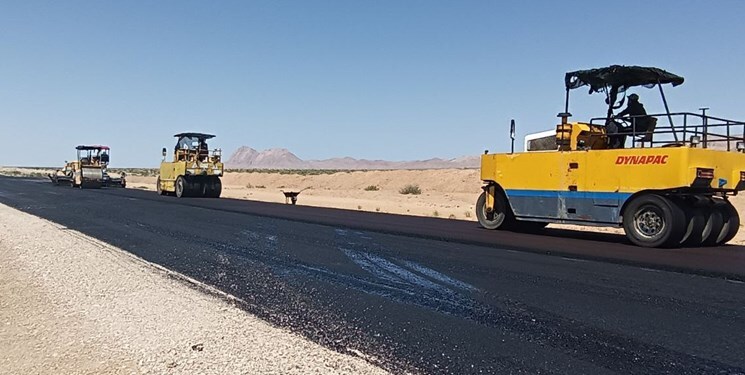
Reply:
x=249, y=186
x=372, y=188
x=435, y=214
x=359, y=207
x=410, y=189
x=377, y=209
x=260, y=187
x=452, y=216
x=24, y=172
x=468, y=213
x=144, y=172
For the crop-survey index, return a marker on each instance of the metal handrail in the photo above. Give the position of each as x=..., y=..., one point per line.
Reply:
x=694, y=124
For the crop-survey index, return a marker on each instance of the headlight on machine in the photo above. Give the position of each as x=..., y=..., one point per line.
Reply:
x=695, y=140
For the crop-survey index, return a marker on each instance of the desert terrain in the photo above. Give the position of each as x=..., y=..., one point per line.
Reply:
x=445, y=193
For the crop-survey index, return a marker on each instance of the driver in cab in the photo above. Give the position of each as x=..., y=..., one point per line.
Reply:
x=638, y=116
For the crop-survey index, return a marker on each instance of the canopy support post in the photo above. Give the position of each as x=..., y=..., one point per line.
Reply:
x=667, y=110
x=705, y=121
x=611, y=97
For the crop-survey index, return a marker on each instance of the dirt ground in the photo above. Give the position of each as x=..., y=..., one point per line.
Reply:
x=73, y=305
x=444, y=193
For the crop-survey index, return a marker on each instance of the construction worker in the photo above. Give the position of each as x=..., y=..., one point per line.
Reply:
x=637, y=115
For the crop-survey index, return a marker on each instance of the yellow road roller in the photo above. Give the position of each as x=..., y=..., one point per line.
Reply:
x=664, y=178
x=89, y=170
x=195, y=170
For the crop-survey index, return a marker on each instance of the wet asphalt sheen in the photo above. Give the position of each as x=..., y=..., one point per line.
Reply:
x=415, y=304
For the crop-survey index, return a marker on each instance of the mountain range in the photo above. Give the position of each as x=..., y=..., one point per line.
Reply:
x=280, y=158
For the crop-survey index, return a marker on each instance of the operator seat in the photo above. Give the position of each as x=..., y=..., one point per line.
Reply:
x=647, y=135
x=204, y=152
x=616, y=134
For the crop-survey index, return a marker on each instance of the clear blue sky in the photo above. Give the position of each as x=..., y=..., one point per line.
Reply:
x=395, y=80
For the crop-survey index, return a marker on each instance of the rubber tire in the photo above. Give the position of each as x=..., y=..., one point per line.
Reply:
x=216, y=188
x=202, y=187
x=673, y=221
x=503, y=217
x=182, y=187
x=158, y=188
x=714, y=225
x=731, y=222
x=695, y=223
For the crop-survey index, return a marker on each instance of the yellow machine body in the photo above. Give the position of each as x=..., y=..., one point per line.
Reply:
x=194, y=170
x=663, y=184
x=88, y=171
x=584, y=182
x=171, y=170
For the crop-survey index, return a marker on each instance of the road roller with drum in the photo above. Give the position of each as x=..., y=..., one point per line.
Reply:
x=195, y=171
x=89, y=170
x=666, y=179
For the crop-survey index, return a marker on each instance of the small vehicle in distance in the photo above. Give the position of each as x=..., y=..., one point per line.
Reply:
x=89, y=170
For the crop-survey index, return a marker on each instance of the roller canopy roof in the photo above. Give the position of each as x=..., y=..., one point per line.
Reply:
x=195, y=135
x=92, y=147
x=621, y=77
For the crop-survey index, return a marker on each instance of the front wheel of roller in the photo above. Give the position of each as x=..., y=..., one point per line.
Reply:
x=158, y=188
x=499, y=218
x=181, y=187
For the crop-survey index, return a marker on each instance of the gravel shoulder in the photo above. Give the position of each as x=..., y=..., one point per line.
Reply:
x=71, y=304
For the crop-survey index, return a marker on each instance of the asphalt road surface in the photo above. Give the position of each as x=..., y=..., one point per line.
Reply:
x=432, y=295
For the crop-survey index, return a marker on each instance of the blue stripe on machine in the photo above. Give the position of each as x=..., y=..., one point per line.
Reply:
x=568, y=194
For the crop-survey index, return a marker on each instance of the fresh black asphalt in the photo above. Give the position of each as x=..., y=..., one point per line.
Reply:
x=428, y=302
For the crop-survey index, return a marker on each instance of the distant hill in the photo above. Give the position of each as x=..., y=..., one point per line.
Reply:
x=280, y=158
